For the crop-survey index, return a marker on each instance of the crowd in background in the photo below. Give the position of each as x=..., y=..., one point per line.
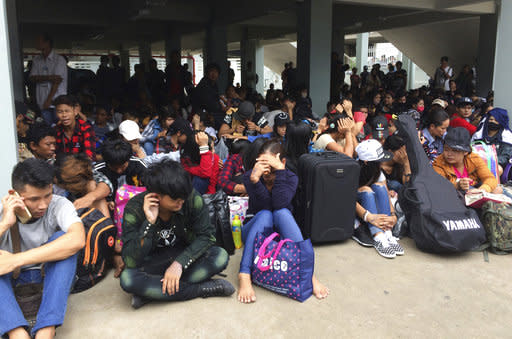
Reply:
x=100, y=132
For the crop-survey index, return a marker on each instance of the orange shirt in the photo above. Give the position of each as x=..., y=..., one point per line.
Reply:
x=477, y=171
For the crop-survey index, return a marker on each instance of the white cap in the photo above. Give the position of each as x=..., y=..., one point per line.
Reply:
x=440, y=102
x=371, y=150
x=129, y=130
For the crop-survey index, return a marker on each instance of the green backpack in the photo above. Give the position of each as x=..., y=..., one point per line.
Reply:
x=497, y=221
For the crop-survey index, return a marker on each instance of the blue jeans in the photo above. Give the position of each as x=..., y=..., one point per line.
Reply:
x=149, y=147
x=58, y=278
x=394, y=185
x=284, y=224
x=376, y=202
x=49, y=116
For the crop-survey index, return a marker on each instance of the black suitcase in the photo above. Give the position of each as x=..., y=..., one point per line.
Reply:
x=326, y=196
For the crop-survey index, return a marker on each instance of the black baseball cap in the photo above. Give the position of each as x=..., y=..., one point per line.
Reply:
x=459, y=139
x=281, y=119
x=464, y=101
x=380, y=127
x=245, y=111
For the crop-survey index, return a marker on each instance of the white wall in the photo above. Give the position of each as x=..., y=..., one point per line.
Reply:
x=502, y=86
x=426, y=44
x=8, y=139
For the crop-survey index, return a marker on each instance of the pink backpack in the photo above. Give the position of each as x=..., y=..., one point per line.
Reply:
x=123, y=195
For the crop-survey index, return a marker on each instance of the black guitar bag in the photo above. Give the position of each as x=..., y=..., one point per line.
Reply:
x=438, y=220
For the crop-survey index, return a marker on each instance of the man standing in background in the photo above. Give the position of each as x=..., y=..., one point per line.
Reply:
x=50, y=74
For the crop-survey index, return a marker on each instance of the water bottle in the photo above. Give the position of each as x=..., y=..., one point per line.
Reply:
x=237, y=231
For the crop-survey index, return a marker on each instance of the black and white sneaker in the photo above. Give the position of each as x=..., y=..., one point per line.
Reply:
x=363, y=236
x=383, y=247
x=393, y=242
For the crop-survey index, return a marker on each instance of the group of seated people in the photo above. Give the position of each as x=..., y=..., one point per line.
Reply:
x=168, y=247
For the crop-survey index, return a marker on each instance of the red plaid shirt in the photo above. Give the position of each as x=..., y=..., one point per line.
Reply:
x=82, y=140
x=232, y=166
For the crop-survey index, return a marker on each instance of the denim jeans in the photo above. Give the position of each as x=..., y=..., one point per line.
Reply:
x=284, y=224
x=58, y=278
x=394, y=185
x=376, y=202
x=145, y=281
x=149, y=147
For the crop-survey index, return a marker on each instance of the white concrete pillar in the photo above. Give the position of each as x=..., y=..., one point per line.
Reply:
x=124, y=55
x=314, y=49
x=172, y=42
x=252, y=51
x=8, y=137
x=217, y=52
x=486, y=53
x=362, y=51
x=145, y=54
x=502, y=85
x=411, y=76
x=410, y=67
x=259, y=67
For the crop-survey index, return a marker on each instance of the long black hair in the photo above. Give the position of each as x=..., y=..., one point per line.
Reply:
x=435, y=117
x=369, y=173
x=251, y=153
x=332, y=123
x=297, y=140
x=191, y=149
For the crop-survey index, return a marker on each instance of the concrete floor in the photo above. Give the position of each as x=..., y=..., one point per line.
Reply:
x=418, y=295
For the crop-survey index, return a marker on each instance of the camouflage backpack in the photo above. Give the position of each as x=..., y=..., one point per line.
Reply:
x=497, y=220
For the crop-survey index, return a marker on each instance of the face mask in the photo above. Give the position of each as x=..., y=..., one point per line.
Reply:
x=421, y=109
x=493, y=126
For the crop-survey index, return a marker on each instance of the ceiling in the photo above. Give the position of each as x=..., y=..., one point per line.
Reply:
x=114, y=24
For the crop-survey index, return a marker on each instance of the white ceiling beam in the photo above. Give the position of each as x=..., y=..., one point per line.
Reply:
x=468, y=6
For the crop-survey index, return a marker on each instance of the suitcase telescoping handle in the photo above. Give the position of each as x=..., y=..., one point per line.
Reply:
x=330, y=155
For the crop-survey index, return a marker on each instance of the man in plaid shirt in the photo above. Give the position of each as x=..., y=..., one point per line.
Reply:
x=73, y=135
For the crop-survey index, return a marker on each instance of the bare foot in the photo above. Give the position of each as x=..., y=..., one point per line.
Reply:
x=319, y=290
x=46, y=333
x=19, y=333
x=118, y=265
x=246, y=293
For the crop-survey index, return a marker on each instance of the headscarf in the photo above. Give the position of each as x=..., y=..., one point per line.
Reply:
x=503, y=135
